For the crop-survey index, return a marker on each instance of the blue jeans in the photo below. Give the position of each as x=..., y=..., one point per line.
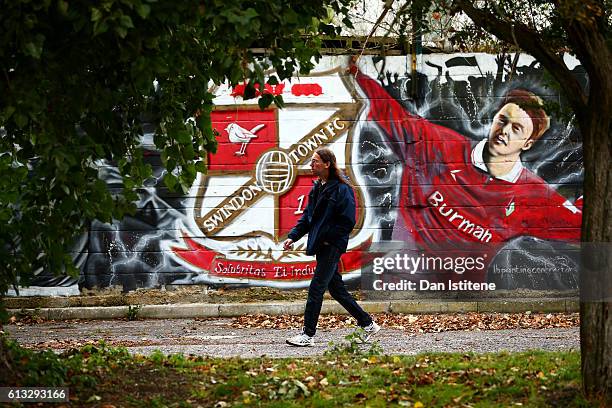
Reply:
x=326, y=276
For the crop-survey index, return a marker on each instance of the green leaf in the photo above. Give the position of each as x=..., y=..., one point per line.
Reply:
x=96, y=14
x=211, y=135
x=278, y=101
x=8, y=112
x=204, y=122
x=121, y=31
x=171, y=164
x=183, y=136
x=21, y=120
x=189, y=152
x=201, y=167
x=249, y=91
x=190, y=171
x=159, y=140
x=249, y=14
x=122, y=163
x=62, y=7
x=126, y=21
x=34, y=48
x=265, y=101
x=170, y=180
x=128, y=183
x=101, y=84
x=143, y=10
x=100, y=27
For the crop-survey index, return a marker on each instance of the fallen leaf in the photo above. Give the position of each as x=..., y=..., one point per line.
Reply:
x=360, y=396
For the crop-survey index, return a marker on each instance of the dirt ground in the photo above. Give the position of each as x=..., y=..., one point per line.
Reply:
x=258, y=335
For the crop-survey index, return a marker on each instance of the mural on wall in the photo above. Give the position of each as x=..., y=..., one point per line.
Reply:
x=457, y=189
x=258, y=181
x=462, y=152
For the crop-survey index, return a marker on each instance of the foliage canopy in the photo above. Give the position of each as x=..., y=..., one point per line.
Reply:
x=77, y=80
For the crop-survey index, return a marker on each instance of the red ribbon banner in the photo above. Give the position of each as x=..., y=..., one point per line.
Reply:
x=218, y=265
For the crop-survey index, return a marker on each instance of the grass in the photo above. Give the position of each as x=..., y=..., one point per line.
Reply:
x=344, y=376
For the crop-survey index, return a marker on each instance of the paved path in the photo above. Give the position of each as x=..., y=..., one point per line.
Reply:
x=216, y=337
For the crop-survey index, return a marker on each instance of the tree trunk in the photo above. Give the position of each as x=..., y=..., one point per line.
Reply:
x=588, y=36
x=596, y=268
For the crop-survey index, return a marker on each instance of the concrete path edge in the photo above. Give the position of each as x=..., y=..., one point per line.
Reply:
x=192, y=310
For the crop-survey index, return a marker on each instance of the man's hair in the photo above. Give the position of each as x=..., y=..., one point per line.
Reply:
x=328, y=156
x=533, y=105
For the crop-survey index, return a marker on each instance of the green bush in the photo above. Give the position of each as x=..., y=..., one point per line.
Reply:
x=23, y=367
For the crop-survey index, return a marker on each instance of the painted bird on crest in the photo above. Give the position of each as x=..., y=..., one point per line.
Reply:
x=238, y=134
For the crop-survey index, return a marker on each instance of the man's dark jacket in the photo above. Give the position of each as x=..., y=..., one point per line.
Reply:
x=329, y=216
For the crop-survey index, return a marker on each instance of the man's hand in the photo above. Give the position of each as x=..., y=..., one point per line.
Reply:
x=288, y=244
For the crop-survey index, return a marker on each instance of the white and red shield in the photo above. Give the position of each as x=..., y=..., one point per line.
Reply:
x=258, y=182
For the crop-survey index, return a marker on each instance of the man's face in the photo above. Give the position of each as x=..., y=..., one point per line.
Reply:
x=319, y=168
x=510, y=131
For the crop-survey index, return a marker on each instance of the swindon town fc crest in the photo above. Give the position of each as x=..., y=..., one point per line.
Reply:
x=257, y=184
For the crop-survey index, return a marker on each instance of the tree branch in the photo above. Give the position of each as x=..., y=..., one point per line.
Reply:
x=388, y=5
x=587, y=38
x=530, y=42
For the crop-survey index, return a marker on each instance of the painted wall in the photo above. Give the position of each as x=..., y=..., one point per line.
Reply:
x=411, y=151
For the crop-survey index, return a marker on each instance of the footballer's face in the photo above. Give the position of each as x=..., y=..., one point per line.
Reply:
x=510, y=132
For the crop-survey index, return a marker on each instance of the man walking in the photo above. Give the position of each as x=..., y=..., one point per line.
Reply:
x=328, y=220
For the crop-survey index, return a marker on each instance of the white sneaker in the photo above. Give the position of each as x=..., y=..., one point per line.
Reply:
x=370, y=331
x=301, y=340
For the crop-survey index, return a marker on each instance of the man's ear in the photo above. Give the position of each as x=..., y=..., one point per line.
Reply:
x=528, y=144
x=327, y=165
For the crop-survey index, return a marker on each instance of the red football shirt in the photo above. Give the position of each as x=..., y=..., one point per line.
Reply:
x=447, y=194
